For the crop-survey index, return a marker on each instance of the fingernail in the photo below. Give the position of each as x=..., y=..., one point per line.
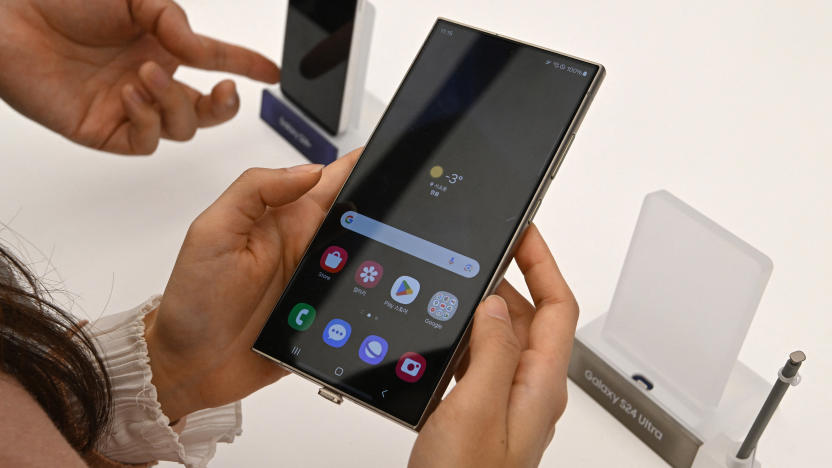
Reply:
x=306, y=168
x=135, y=95
x=159, y=79
x=231, y=102
x=496, y=307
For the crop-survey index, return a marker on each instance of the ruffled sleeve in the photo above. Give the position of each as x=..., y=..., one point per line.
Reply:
x=139, y=431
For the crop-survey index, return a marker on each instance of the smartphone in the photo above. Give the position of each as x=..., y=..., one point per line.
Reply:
x=324, y=58
x=380, y=306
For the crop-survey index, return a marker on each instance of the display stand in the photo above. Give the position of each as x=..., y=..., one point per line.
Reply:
x=663, y=360
x=313, y=142
x=363, y=110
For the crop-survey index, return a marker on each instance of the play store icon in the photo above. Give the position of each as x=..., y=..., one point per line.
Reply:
x=405, y=290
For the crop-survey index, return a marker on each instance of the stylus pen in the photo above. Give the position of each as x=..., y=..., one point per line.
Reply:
x=784, y=380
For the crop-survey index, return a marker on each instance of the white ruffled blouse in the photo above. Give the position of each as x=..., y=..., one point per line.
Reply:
x=139, y=431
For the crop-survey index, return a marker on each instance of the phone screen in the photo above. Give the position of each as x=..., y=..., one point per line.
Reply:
x=316, y=49
x=389, y=284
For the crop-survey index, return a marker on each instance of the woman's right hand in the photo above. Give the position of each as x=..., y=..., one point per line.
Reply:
x=100, y=72
x=511, y=387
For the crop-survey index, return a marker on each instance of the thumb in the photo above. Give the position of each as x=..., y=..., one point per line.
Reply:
x=494, y=354
x=248, y=197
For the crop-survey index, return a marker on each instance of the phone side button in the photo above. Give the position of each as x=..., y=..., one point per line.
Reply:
x=566, y=150
x=330, y=395
x=569, y=144
x=534, y=210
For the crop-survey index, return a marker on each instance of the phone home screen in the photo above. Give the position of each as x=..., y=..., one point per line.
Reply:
x=387, y=287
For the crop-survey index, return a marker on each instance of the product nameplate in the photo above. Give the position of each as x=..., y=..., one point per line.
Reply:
x=627, y=403
x=296, y=130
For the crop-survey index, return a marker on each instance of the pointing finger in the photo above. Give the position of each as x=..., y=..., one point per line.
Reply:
x=168, y=22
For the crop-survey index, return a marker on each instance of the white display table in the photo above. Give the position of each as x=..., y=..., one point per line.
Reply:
x=724, y=104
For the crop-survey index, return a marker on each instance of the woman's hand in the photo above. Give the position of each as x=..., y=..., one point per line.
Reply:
x=237, y=257
x=100, y=72
x=511, y=389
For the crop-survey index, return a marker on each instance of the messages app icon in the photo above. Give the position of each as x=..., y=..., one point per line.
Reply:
x=405, y=290
x=337, y=332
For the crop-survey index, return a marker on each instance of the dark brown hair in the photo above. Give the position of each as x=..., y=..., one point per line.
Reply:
x=46, y=350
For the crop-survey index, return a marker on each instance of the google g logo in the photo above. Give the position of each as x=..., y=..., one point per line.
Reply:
x=349, y=219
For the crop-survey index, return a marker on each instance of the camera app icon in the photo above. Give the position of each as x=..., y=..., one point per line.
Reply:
x=411, y=367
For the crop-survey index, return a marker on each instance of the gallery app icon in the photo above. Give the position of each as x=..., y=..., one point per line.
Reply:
x=337, y=332
x=411, y=367
x=373, y=349
x=368, y=274
x=301, y=316
x=405, y=290
x=442, y=306
x=333, y=259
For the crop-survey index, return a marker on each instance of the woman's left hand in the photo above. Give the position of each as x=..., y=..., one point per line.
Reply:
x=237, y=257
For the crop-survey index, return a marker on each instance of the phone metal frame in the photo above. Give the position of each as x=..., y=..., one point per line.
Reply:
x=508, y=255
x=356, y=64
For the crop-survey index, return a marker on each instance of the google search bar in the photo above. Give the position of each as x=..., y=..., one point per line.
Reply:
x=410, y=244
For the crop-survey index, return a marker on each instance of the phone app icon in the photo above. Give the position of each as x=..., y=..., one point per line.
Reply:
x=301, y=316
x=442, y=306
x=333, y=259
x=411, y=367
x=337, y=332
x=405, y=290
x=368, y=274
x=373, y=349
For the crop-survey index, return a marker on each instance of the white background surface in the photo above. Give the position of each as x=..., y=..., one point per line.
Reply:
x=723, y=104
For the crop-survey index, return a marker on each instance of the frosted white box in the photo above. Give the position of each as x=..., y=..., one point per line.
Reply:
x=683, y=304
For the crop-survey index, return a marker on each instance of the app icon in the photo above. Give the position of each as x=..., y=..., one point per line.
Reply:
x=411, y=367
x=442, y=306
x=337, y=332
x=405, y=290
x=333, y=259
x=301, y=316
x=373, y=349
x=369, y=274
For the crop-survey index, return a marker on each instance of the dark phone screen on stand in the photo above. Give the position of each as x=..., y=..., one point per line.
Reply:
x=315, y=54
x=382, y=297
